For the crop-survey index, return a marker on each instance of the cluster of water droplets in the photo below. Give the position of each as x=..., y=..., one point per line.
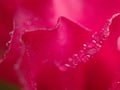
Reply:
x=88, y=50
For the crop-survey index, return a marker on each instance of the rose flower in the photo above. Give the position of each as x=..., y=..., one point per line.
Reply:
x=60, y=45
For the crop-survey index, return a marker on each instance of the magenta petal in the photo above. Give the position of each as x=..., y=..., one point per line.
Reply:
x=38, y=59
x=42, y=10
x=104, y=70
x=7, y=9
x=15, y=48
x=114, y=44
x=56, y=44
x=90, y=13
x=51, y=47
x=96, y=12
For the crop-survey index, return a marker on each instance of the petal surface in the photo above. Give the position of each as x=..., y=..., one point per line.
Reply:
x=104, y=69
x=48, y=48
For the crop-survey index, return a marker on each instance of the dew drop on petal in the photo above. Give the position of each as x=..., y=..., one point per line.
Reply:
x=92, y=51
x=88, y=50
x=63, y=68
x=8, y=43
x=85, y=58
x=94, y=41
x=67, y=65
x=91, y=45
x=11, y=33
x=72, y=62
x=84, y=45
x=100, y=42
x=106, y=34
x=96, y=36
x=76, y=55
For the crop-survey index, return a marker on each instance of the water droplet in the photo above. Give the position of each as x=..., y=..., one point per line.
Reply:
x=118, y=82
x=84, y=48
x=94, y=35
x=94, y=41
x=92, y=51
x=71, y=63
x=76, y=55
x=63, y=68
x=11, y=33
x=84, y=45
x=100, y=42
x=91, y=45
x=85, y=58
x=105, y=34
x=80, y=53
x=75, y=60
x=67, y=65
x=98, y=46
x=8, y=43
x=101, y=35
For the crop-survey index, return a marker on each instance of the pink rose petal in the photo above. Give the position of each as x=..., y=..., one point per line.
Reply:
x=39, y=61
x=51, y=46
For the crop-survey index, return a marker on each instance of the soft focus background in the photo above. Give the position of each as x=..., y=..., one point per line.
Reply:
x=6, y=86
